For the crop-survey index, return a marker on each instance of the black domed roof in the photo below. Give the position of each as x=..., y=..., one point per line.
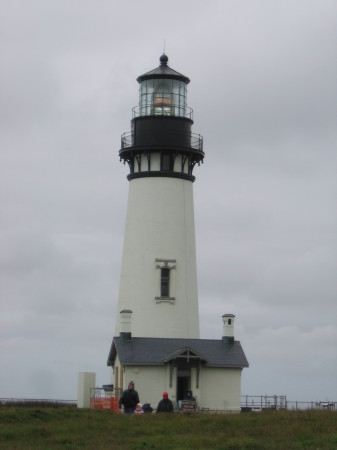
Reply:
x=163, y=71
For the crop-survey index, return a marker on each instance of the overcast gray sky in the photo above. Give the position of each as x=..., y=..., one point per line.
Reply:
x=263, y=89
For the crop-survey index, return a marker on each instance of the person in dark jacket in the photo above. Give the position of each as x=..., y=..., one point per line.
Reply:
x=129, y=399
x=147, y=408
x=189, y=396
x=165, y=405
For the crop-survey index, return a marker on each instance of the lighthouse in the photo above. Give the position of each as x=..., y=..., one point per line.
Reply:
x=156, y=342
x=158, y=281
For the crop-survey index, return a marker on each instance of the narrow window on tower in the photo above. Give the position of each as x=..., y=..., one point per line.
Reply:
x=165, y=280
x=166, y=162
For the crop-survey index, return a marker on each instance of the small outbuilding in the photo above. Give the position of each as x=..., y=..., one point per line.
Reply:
x=211, y=368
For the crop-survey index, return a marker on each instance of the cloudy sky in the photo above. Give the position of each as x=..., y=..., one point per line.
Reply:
x=263, y=89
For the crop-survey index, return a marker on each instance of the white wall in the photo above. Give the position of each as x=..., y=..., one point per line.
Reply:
x=150, y=382
x=220, y=388
x=159, y=224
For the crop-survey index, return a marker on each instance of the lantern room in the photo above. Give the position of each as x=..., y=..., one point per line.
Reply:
x=161, y=142
x=162, y=92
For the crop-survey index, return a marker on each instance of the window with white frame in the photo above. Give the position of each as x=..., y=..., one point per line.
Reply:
x=165, y=280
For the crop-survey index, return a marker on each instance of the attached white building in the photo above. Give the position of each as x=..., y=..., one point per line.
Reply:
x=158, y=296
x=211, y=368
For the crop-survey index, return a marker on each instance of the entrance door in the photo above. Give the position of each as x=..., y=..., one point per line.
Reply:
x=183, y=384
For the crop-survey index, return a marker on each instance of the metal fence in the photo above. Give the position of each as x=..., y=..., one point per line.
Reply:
x=260, y=402
x=36, y=402
x=294, y=405
x=103, y=399
x=264, y=402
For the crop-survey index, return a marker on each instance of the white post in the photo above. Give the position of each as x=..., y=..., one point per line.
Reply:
x=86, y=381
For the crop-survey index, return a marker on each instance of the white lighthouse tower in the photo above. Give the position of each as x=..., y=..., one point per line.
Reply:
x=159, y=275
x=156, y=343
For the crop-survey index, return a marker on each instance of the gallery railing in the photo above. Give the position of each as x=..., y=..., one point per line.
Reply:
x=195, y=141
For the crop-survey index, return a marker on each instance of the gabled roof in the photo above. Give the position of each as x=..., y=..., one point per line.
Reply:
x=158, y=351
x=186, y=353
x=163, y=71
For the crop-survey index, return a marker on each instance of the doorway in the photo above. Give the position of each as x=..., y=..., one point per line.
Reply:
x=183, y=384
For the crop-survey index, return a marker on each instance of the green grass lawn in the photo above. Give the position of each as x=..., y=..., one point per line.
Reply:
x=71, y=428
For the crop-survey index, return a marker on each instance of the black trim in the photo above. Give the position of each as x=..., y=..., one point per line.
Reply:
x=171, y=76
x=158, y=173
x=125, y=153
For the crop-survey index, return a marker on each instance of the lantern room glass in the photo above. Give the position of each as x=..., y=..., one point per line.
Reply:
x=162, y=97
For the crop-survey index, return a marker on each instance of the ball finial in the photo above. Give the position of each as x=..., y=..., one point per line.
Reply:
x=163, y=60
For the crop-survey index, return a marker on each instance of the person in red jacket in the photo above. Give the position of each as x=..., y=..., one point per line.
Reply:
x=165, y=405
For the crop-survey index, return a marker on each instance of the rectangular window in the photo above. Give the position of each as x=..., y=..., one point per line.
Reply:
x=164, y=282
x=116, y=377
x=166, y=162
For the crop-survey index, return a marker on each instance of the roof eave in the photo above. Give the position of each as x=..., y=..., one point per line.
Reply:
x=163, y=76
x=135, y=363
x=228, y=366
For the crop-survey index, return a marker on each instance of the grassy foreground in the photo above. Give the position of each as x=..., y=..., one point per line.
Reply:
x=71, y=428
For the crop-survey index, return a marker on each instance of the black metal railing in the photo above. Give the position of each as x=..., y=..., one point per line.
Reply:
x=162, y=109
x=196, y=141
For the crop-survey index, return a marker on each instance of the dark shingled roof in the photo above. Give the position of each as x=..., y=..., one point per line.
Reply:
x=158, y=351
x=163, y=71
